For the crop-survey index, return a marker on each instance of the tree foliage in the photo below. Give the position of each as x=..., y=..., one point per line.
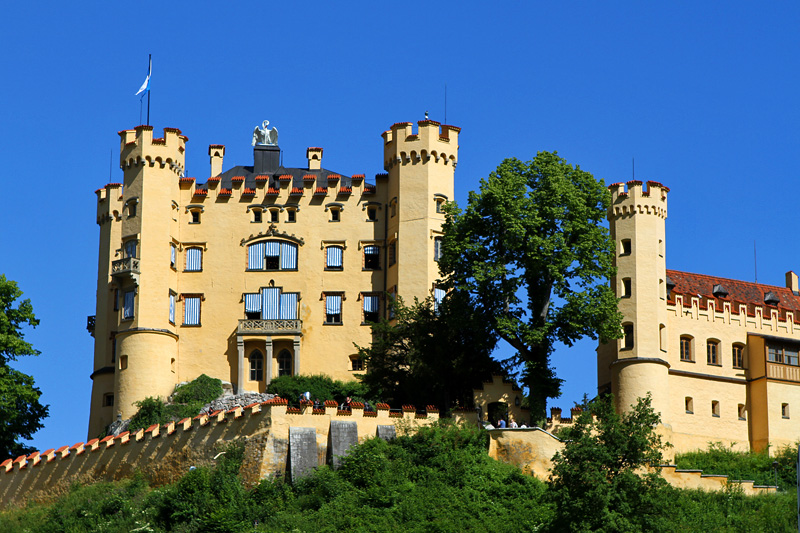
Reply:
x=21, y=413
x=599, y=480
x=531, y=249
x=320, y=387
x=430, y=354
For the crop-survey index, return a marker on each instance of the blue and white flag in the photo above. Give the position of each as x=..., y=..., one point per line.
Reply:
x=146, y=85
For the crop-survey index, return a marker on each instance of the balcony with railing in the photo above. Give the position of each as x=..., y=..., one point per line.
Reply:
x=126, y=268
x=252, y=326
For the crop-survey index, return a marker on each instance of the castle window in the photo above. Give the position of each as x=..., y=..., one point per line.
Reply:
x=257, y=215
x=334, y=258
x=627, y=342
x=284, y=363
x=660, y=248
x=440, y=200
x=252, y=306
x=784, y=410
x=256, y=366
x=371, y=308
x=191, y=310
x=291, y=215
x=438, y=297
x=393, y=207
x=172, y=307
x=173, y=255
x=372, y=214
x=195, y=217
x=372, y=257
x=273, y=215
x=715, y=408
x=742, y=412
x=712, y=353
x=689, y=405
x=333, y=309
x=130, y=206
x=108, y=399
x=127, y=304
x=275, y=304
x=626, y=288
x=662, y=290
x=738, y=356
x=662, y=337
x=130, y=248
x=357, y=364
x=392, y=253
x=686, y=348
x=437, y=248
x=123, y=362
x=336, y=215
x=625, y=247
x=272, y=255
x=782, y=354
x=194, y=260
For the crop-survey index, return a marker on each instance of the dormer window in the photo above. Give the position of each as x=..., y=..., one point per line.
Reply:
x=771, y=298
x=719, y=291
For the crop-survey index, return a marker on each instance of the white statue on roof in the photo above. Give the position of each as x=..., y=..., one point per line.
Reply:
x=264, y=135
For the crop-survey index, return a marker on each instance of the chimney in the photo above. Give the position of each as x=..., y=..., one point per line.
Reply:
x=791, y=283
x=314, y=156
x=216, y=152
x=266, y=159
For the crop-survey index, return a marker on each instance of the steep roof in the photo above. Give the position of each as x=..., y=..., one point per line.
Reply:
x=740, y=292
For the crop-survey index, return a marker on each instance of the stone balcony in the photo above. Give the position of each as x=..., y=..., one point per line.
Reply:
x=270, y=327
x=126, y=268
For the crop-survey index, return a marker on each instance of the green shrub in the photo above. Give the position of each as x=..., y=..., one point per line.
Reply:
x=187, y=401
x=756, y=466
x=151, y=411
x=203, y=390
x=321, y=388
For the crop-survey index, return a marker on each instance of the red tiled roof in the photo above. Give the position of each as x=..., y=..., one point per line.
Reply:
x=357, y=177
x=297, y=190
x=186, y=179
x=237, y=178
x=309, y=177
x=345, y=190
x=321, y=190
x=225, y=192
x=248, y=191
x=333, y=177
x=200, y=192
x=273, y=192
x=262, y=177
x=285, y=177
x=739, y=292
x=369, y=189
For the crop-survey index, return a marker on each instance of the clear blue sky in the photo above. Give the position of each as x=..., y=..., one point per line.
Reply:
x=702, y=94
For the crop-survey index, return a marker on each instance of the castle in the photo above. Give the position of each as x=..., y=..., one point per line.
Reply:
x=263, y=270
x=719, y=356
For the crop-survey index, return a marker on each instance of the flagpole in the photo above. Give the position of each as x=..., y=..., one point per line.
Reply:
x=150, y=64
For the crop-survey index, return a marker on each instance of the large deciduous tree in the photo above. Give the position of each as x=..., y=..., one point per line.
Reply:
x=21, y=414
x=531, y=249
x=430, y=353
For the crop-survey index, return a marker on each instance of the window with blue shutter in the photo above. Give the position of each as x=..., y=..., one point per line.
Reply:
x=288, y=256
x=127, y=304
x=130, y=248
x=171, y=308
x=372, y=258
x=191, y=311
x=371, y=303
x=270, y=303
x=272, y=255
x=437, y=248
x=252, y=305
x=438, y=296
x=333, y=309
x=288, y=309
x=194, y=260
x=172, y=255
x=255, y=256
x=334, y=258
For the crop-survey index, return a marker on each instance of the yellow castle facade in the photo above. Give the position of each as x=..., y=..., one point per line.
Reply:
x=719, y=356
x=262, y=270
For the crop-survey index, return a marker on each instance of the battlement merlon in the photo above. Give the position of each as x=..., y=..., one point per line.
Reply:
x=138, y=145
x=432, y=141
x=630, y=197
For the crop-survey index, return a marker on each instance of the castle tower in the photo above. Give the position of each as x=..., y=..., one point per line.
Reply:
x=420, y=170
x=637, y=364
x=136, y=344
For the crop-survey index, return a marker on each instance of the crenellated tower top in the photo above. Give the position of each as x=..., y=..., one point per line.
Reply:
x=139, y=146
x=432, y=141
x=638, y=200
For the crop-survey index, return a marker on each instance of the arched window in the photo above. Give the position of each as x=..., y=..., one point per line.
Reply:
x=272, y=255
x=256, y=366
x=627, y=336
x=284, y=363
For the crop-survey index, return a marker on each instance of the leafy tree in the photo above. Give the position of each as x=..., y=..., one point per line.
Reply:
x=599, y=480
x=20, y=411
x=430, y=354
x=531, y=249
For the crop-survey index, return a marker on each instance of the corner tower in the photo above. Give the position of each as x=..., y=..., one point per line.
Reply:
x=137, y=277
x=637, y=364
x=420, y=169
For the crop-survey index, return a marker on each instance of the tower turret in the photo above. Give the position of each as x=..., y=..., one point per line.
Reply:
x=637, y=363
x=420, y=168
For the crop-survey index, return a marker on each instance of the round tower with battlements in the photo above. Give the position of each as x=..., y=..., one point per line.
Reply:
x=637, y=363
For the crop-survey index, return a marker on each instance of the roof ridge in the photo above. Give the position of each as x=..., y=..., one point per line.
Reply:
x=726, y=279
